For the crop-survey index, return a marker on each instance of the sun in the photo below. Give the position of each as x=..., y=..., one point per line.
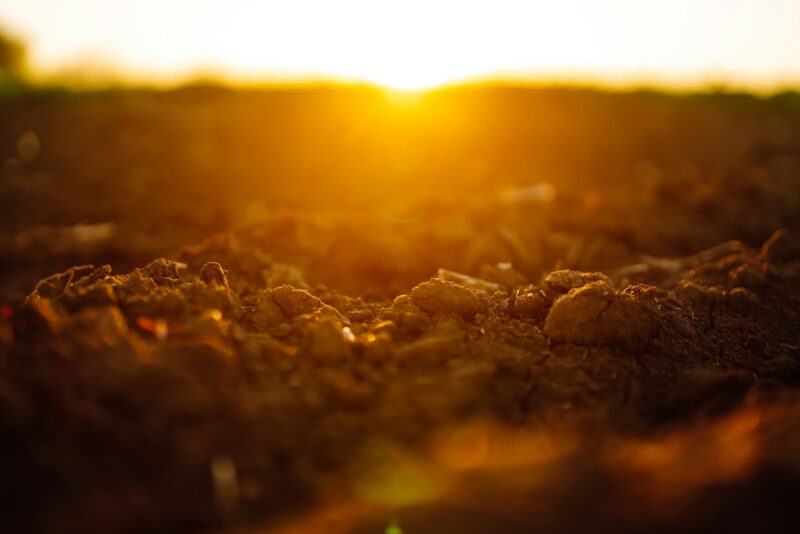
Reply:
x=410, y=80
x=404, y=74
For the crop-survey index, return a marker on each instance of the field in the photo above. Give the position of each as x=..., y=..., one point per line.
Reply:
x=340, y=309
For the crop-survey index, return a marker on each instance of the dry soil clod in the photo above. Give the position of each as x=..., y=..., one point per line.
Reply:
x=212, y=273
x=440, y=296
x=596, y=314
x=566, y=280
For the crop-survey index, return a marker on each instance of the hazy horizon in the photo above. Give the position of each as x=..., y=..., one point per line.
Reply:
x=672, y=44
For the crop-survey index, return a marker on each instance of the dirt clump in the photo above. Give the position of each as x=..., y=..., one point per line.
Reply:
x=441, y=296
x=596, y=314
x=566, y=280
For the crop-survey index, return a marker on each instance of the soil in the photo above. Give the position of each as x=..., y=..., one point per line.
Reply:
x=517, y=357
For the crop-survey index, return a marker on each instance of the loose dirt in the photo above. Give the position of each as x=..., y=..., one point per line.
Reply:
x=533, y=357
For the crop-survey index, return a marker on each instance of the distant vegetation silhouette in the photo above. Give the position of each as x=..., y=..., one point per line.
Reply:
x=13, y=55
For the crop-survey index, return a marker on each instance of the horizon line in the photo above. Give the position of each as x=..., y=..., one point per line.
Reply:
x=89, y=79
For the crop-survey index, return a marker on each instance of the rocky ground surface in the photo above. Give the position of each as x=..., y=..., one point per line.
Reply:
x=223, y=387
x=533, y=337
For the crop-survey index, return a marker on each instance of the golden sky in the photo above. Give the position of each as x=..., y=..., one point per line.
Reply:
x=420, y=43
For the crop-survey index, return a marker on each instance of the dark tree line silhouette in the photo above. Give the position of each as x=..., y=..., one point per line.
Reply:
x=12, y=56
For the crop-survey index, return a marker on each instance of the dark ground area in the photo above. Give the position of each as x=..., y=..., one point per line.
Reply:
x=483, y=310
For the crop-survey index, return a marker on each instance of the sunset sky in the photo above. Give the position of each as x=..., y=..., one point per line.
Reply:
x=419, y=43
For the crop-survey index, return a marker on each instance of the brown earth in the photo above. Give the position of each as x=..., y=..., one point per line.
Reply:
x=528, y=357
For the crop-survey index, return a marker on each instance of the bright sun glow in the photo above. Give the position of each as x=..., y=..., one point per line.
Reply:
x=410, y=79
x=414, y=44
